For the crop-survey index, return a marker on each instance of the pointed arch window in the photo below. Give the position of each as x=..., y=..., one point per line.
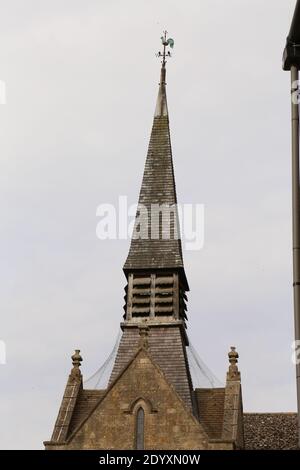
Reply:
x=140, y=431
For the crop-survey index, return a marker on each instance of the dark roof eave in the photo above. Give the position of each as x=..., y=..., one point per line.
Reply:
x=291, y=54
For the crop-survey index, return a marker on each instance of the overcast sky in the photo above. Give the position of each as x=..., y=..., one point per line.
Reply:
x=81, y=83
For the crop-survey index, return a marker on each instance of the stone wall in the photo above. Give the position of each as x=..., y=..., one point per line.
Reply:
x=168, y=423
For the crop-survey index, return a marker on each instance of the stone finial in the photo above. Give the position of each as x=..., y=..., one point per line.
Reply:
x=143, y=341
x=76, y=361
x=233, y=371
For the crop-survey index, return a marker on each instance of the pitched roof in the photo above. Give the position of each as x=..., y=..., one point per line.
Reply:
x=72, y=390
x=86, y=401
x=158, y=187
x=210, y=403
x=270, y=431
x=168, y=350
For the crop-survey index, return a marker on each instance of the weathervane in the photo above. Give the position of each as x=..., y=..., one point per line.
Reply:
x=165, y=42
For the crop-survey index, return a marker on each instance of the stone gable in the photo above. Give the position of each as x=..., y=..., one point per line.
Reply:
x=168, y=423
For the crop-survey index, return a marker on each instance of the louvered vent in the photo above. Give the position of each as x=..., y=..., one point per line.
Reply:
x=154, y=295
x=141, y=296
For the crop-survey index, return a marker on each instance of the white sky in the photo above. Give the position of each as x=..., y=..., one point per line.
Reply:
x=81, y=80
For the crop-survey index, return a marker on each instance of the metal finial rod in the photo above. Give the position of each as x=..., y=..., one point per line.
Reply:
x=165, y=43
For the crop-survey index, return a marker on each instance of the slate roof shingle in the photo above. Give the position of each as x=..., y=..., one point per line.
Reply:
x=270, y=431
x=158, y=187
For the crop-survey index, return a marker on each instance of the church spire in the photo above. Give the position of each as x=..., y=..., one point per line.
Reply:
x=161, y=108
x=154, y=268
x=156, y=240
